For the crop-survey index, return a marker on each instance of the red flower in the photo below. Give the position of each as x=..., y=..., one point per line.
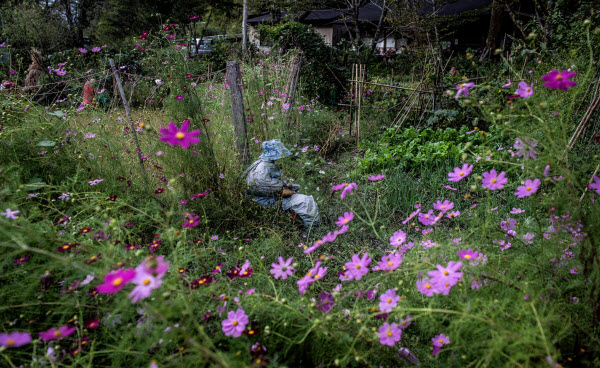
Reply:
x=112, y=198
x=93, y=259
x=85, y=230
x=159, y=190
x=92, y=323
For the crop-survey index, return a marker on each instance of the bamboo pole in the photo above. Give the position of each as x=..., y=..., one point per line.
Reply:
x=128, y=114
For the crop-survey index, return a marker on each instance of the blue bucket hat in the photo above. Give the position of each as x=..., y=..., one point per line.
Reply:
x=274, y=150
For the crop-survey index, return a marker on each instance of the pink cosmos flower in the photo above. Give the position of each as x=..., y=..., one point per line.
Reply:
x=348, y=189
x=285, y=106
x=410, y=217
x=562, y=80
x=526, y=148
x=467, y=254
x=446, y=277
x=376, y=177
x=596, y=184
x=460, y=173
x=516, y=211
x=389, y=262
x=115, y=281
x=96, y=49
x=175, y=136
x=426, y=286
x=358, y=266
x=191, y=221
x=427, y=218
x=314, y=274
x=398, y=238
x=405, y=322
x=145, y=283
x=492, y=180
x=389, y=334
x=524, y=90
x=507, y=84
x=14, y=339
x=82, y=50
x=57, y=333
x=463, y=89
x=341, y=230
x=530, y=187
x=443, y=206
x=343, y=220
x=283, y=269
x=388, y=300
x=235, y=323
x=171, y=36
x=453, y=214
x=439, y=341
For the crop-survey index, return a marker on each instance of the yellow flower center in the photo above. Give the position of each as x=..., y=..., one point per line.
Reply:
x=390, y=263
x=427, y=286
x=345, y=221
x=10, y=342
x=235, y=323
x=191, y=221
x=117, y=282
x=147, y=282
x=466, y=256
x=494, y=180
x=461, y=173
x=65, y=247
x=528, y=89
x=389, y=300
x=389, y=333
x=357, y=266
x=92, y=258
x=443, y=207
x=559, y=77
x=179, y=135
x=316, y=277
x=528, y=188
x=441, y=341
x=56, y=333
x=446, y=273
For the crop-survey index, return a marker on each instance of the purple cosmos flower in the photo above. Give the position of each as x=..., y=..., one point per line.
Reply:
x=453, y=214
x=214, y=237
x=57, y=333
x=439, y=341
x=96, y=49
x=596, y=184
x=405, y=322
x=179, y=98
x=12, y=72
x=446, y=277
x=171, y=36
x=397, y=238
x=82, y=50
x=343, y=220
x=388, y=300
x=526, y=148
x=443, y=206
x=389, y=262
x=326, y=302
x=314, y=274
x=467, y=254
x=376, y=177
x=530, y=187
x=358, y=266
x=283, y=269
x=426, y=286
x=115, y=281
x=14, y=339
x=562, y=80
x=95, y=182
x=460, y=173
x=492, y=180
x=516, y=211
x=524, y=90
x=427, y=218
x=348, y=188
x=463, y=89
x=389, y=334
x=191, y=221
x=60, y=72
x=175, y=136
x=235, y=323
x=9, y=214
x=145, y=283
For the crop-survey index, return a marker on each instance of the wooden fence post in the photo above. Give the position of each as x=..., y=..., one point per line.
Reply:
x=128, y=114
x=293, y=79
x=237, y=110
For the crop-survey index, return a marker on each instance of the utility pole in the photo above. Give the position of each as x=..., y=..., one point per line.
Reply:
x=245, y=28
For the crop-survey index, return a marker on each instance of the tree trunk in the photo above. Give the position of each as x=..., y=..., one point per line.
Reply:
x=245, y=28
x=495, y=26
x=379, y=27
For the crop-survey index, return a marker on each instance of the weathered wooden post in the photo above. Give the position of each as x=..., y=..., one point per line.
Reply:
x=128, y=114
x=237, y=110
x=293, y=79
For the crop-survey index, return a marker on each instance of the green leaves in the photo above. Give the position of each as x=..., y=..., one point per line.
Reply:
x=58, y=113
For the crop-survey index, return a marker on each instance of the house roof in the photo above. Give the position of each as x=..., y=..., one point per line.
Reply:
x=456, y=7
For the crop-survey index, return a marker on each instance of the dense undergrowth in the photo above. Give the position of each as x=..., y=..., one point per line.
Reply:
x=526, y=295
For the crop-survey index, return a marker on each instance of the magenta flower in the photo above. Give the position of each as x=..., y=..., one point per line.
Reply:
x=530, y=187
x=389, y=334
x=446, y=277
x=235, y=323
x=439, y=341
x=182, y=137
x=283, y=269
x=405, y=322
x=191, y=221
x=463, y=89
x=426, y=286
x=388, y=300
x=596, y=184
x=562, y=80
x=115, y=281
x=82, y=50
x=341, y=230
x=467, y=254
x=314, y=274
x=57, y=333
x=389, y=262
x=343, y=220
x=526, y=148
x=14, y=339
x=348, y=189
x=492, y=180
x=453, y=214
x=524, y=90
x=326, y=302
x=443, y=206
x=358, y=266
x=427, y=218
x=171, y=36
x=376, y=177
x=96, y=49
x=398, y=238
x=145, y=283
x=460, y=173
x=516, y=211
